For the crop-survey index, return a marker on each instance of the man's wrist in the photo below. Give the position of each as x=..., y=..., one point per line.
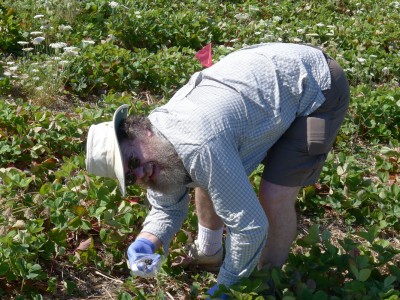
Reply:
x=152, y=238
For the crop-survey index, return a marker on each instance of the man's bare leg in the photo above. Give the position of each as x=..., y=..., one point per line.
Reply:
x=278, y=203
x=210, y=225
x=205, y=211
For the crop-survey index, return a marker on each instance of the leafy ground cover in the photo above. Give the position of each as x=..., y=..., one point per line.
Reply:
x=68, y=64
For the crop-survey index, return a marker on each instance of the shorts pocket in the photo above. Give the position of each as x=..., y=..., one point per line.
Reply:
x=318, y=130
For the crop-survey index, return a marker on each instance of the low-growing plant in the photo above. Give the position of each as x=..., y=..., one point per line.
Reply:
x=10, y=33
x=60, y=228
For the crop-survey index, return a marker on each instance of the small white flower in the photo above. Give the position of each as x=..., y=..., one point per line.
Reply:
x=38, y=16
x=36, y=78
x=39, y=88
x=13, y=69
x=297, y=40
x=242, y=16
x=385, y=71
x=301, y=30
x=330, y=34
x=36, y=33
x=111, y=37
x=311, y=34
x=38, y=40
x=71, y=48
x=6, y=73
x=63, y=62
x=114, y=4
x=88, y=42
x=10, y=63
x=257, y=33
x=64, y=28
x=56, y=58
x=320, y=24
x=28, y=49
x=45, y=27
x=71, y=53
x=276, y=18
x=58, y=45
x=361, y=60
x=22, y=43
x=34, y=70
x=373, y=56
x=331, y=26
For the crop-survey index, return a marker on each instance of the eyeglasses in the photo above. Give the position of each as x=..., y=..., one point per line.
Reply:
x=130, y=177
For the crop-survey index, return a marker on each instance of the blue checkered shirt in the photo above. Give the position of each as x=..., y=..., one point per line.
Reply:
x=222, y=123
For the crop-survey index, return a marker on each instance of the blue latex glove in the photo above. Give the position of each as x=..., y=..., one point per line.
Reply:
x=213, y=290
x=142, y=260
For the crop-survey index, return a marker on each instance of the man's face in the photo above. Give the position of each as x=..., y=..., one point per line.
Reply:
x=152, y=162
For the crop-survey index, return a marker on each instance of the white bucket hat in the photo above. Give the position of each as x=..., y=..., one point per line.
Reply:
x=103, y=154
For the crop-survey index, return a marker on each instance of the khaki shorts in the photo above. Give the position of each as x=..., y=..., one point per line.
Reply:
x=296, y=159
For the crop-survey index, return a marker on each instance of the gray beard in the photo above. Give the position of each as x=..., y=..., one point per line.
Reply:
x=172, y=171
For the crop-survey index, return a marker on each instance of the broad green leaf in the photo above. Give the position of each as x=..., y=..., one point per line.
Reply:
x=370, y=235
x=364, y=274
x=45, y=189
x=312, y=237
x=389, y=280
x=353, y=268
x=320, y=295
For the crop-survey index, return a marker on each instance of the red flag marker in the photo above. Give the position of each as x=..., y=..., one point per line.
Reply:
x=205, y=56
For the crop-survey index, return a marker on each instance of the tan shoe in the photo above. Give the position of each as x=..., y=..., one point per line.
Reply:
x=210, y=263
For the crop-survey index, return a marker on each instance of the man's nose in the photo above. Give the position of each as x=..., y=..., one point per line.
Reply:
x=139, y=172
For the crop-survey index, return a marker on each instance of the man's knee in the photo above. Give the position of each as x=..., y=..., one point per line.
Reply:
x=272, y=191
x=274, y=197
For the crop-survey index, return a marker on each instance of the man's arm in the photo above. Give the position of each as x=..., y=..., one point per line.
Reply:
x=166, y=216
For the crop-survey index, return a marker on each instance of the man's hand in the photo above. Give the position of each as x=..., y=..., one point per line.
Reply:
x=142, y=260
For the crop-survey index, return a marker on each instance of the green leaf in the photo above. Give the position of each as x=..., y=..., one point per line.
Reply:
x=312, y=237
x=370, y=235
x=389, y=280
x=4, y=267
x=353, y=268
x=75, y=223
x=59, y=236
x=45, y=189
x=79, y=210
x=124, y=296
x=320, y=295
x=364, y=274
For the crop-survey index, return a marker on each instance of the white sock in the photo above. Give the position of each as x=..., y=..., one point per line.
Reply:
x=209, y=241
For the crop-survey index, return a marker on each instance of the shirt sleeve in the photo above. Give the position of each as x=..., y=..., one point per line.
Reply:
x=219, y=169
x=167, y=214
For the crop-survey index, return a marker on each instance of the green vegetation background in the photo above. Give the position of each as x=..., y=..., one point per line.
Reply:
x=68, y=64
